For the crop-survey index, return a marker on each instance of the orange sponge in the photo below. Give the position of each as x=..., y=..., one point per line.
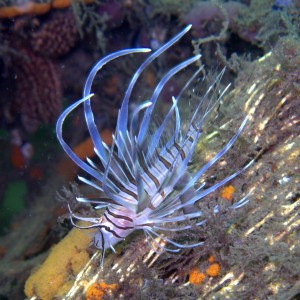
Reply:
x=97, y=290
x=196, y=277
x=227, y=192
x=213, y=270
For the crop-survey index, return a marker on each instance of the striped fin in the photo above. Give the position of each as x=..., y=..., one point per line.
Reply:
x=96, y=174
x=197, y=194
x=89, y=116
x=165, y=169
x=147, y=117
x=114, y=188
x=123, y=113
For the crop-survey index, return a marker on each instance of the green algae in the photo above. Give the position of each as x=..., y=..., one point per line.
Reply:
x=13, y=202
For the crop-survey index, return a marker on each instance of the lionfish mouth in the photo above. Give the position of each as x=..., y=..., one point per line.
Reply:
x=143, y=171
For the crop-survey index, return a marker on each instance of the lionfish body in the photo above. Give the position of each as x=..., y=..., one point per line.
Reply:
x=144, y=175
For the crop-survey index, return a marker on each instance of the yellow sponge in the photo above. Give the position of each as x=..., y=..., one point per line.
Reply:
x=65, y=260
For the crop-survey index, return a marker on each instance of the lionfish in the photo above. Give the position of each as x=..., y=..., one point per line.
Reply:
x=144, y=181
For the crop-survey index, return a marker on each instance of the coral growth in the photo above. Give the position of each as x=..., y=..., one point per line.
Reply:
x=34, y=45
x=207, y=17
x=12, y=11
x=261, y=24
x=114, y=12
x=37, y=96
x=33, y=8
x=55, y=37
x=169, y=7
